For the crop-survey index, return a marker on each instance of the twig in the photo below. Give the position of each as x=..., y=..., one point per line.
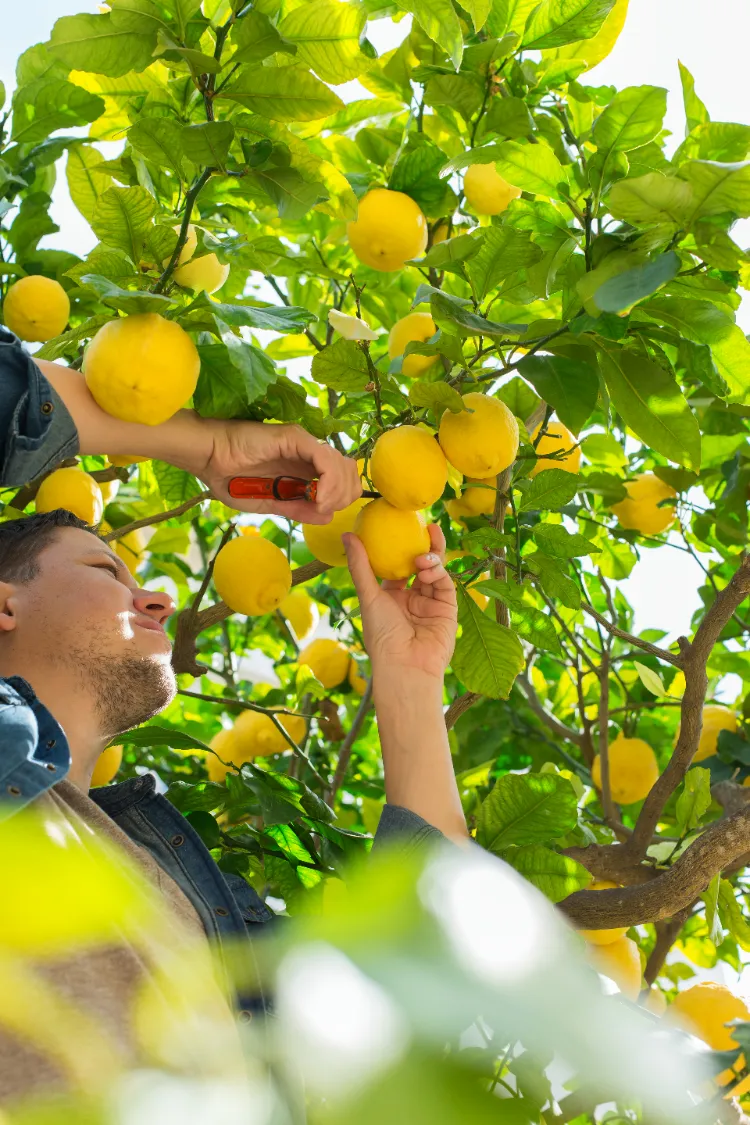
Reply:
x=646, y=646
x=190, y=199
x=529, y=351
x=554, y=724
x=499, y=570
x=459, y=705
x=147, y=521
x=346, y=746
x=610, y=812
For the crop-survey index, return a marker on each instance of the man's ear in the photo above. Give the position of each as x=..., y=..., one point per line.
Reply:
x=8, y=619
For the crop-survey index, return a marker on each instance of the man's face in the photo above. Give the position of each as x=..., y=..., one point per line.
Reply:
x=84, y=609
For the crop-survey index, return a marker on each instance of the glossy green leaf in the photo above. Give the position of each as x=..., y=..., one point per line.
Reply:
x=207, y=144
x=732, y=915
x=555, y=875
x=554, y=23
x=570, y=387
x=488, y=656
x=326, y=34
x=86, y=183
x=176, y=485
x=503, y=253
x=282, y=94
x=533, y=168
x=99, y=44
x=653, y=198
x=549, y=490
x=632, y=119
x=255, y=367
x=455, y=314
x=342, y=366
x=126, y=300
x=255, y=38
x=440, y=23
x=160, y=140
x=438, y=397
x=595, y=49
x=624, y=290
x=529, y=808
x=695, y=111
x=44, y=106
x=122, y=217
x=509, y=117
x=561, y=543
x=718, y=187
x=650, y=679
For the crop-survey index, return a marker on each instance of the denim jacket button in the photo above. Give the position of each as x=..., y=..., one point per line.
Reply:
x=178, y=840
x=51, y=767
x=244, y=1016
x=221, y=911
x=14, y=791
x=47, y=407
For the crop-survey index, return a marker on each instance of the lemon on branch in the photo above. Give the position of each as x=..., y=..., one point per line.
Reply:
x=297, y=608
x=392, y=538
x=389, y=229
x=107, y=765
x=132, y=549
x=36, y=308
x=632, y=770
x=408, y=468
x=252, y=575
x=715, y=720
x=73, y=490
x=191, y=243
x=227, y=747
x=357, y=681
x=205, y=274
x=556, y=439
x=141, y=368
x=620, y=961
x=479, y=501
x=486, y=191
x=258, y=736
x=704, y=1009
x=641, y=511
x=416, y=326
x=482, y=439
x=602, y=937
x=327, y=659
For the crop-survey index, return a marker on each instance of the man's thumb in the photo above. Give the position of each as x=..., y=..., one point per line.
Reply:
x=359, y=567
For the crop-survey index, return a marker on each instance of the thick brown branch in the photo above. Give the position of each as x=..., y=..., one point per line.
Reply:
x=608, y=861
x=646, y=646
x=458, y=707
x=159, y=517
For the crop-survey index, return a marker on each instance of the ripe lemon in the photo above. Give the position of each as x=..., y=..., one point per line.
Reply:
x=132, y=549
x=715, y=720
x=327, y=659
x=252, y=575
x=389, y=229
x=126, y=460
x=226, y=745
x=297, y=608
x=108, y=489
x=474, y=501
x=107, y=765
x=632, y=770
x=486, y=191
x=416, y=326
x=621, y=962
x=188, y=249
x=408, y=468
x=482, y=439
x=640, y=511
x=392, y=538
x=205, y=273
x=557, y=437
x=704, y=1009
x=441, y=233
x=258, y=736
x=602, y=937
x=324, y=539
x=141, y=368
x=73, y=490
x=36, y=308
x=357, y=681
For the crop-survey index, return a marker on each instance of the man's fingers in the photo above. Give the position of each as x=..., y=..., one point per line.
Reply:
x=365, y=582
x=437, y=540
x=338, y=479
x=432, y=574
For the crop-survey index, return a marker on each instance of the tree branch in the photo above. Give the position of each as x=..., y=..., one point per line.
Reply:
x=646, y=646
x=160, y=517
x=190, y=199
x=666, y=935
x=554, y=724
x=345, y=753
x=458, y=706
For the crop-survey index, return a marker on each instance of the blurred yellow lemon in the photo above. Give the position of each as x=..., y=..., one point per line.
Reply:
x=640, y=511
x=474, y=501
x=297, y=608
x=204, y=274
x=389, y=229
x=486, y=191
x=132, y=549
x=705, y=1009
x=107, y=765
x=327, y=659
x=73, y=490
x=620, y=961
x=357, y=681
x=252, y=575
x=715, y=720
x=602, y=937
x=556, y=438
x=257, y=735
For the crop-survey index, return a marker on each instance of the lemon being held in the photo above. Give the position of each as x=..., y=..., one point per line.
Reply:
x=632, y=770
x=389, y=229
x=327, y=659
x=482, y=439
x=641, y=511
x=324, y=539
x=556, y=439
x=36, y=308
x=252, y=575
x=408, y=468
x=392, y=538
x=417, y=326
x=73, y=490
x=486, y=191
x=141, y=368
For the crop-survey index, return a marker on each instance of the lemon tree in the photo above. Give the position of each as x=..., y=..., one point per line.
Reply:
x=511, y=296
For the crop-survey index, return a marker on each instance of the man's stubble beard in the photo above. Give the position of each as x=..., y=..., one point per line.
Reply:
x=127, y=690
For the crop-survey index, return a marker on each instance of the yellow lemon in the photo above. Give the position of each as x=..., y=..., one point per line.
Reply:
x=474, y=501
x=556, y=438
x=324, y=539
x=482, y=600
x=357, y=681
x=640, y=511
x=602, y=937
x=632, y=770
x=107, y=765
x=126, y=460
x=258, y=736
x=392, y=538
x=204, y=274
x=486, y=191
x=132, y=549
x=141, y=368
x=416, y=326
x=704, y=1009
x=482, y=439
x=389, y=229
x=297, y=608
x=656, y=1001
x=441, y=233
x=408, y=468
x=36, y=308
x=327, y=659
x=108, y=489
x=252, y=575
x=715, y=720
x=73, y=490
x=226, y=745
x=188, y=249
x=620, y=961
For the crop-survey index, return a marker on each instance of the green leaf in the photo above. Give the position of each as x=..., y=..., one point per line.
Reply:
x=650, y=401
x=44, y=106
x=477, y=9
x=550, y=489
x=416, y=174
x=275, y=318
x=100, y=45
x=175, y=485
x=553, y=579
x=437, y=396
x=440, y=23
x=731, y=915
x=126, y=300
x=451, y=252
x=569, y=386
x=518, y=397
x=342, y=366
x=653, y=198
x=488, y=656
x=207, y=145
x=695, y=111
x=221, y=390
x=562, y=544
x=255, y=38
x=85, y=183
x=557, y=22
x=533, y=168
x=456, y=313
x=163, y=734
x=617, y=559
x=122, y=217
x=510, y=593
x=283, y=94
x=31, y=223
x=67, y=343
x=555, y=875
x=537, y=627
x=632, y=119
x=718, y=188
x=650, y=679
x=255, y=367
x=694, y=799
x=160, y=141
x=621, y=292
x=503, y=252
x=293, y=195
x=527, y=808
x=711, y=899
x=326, y=34
x=510, y=117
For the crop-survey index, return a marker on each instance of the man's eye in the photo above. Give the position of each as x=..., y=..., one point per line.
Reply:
x=110, y=567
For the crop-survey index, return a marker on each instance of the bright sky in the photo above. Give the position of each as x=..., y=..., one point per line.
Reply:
x=710, y=39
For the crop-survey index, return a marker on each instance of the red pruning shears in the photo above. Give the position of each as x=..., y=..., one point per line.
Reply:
x=278, y=488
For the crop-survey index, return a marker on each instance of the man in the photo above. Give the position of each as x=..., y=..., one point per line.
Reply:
x=84, y=655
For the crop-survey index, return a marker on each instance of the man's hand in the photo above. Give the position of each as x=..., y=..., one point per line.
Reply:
x=407, y=627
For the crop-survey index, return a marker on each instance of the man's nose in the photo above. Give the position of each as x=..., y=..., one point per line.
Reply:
x=154, y=603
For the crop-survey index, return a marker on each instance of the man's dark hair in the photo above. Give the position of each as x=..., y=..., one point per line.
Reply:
x=23, y=540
